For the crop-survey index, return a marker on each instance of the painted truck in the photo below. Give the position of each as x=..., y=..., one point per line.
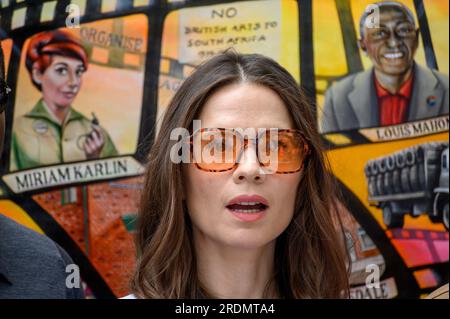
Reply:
x=412, y=181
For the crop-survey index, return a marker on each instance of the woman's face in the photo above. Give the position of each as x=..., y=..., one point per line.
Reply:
x=209, y=193
x=61, y=81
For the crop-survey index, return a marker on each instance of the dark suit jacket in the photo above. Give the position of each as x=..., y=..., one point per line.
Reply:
x=32, y=265
x=351, y=103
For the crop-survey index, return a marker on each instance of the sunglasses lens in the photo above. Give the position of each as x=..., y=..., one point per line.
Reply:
x=215, y=150
x=281, y=151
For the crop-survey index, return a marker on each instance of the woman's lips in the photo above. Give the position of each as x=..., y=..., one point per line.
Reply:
x=248, y=208
x=248, y=199
x=69, y=95
x=248, y=217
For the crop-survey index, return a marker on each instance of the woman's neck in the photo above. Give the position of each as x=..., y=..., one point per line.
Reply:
x=230, y=272
x=60, y=112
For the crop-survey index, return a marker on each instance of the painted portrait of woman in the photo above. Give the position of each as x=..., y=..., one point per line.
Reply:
x=53, y=131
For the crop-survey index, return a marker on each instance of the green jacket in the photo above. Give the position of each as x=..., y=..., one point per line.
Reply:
x=38, y=140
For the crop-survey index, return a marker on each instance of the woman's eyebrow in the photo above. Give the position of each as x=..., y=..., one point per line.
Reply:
x=61, y=63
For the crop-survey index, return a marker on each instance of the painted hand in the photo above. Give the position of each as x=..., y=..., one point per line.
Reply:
x=94, y=143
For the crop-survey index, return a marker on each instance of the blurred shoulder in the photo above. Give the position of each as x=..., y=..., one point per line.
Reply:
x=20, y=239
x=29, y=257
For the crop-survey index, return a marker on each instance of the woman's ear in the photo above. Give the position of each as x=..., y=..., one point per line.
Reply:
x=37, y=75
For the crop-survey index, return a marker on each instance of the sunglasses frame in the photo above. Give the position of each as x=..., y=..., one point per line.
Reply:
x=246, y=140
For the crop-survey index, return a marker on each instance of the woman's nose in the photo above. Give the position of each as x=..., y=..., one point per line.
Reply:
x=248, y=167
x=73, y=80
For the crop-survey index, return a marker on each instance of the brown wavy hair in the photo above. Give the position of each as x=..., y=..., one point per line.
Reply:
x=311, y=260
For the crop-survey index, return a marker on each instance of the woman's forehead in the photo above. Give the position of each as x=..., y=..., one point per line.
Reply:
x=69, y=61
x=245, y=105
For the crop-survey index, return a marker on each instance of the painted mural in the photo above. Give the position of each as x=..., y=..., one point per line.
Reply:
x=78, y=180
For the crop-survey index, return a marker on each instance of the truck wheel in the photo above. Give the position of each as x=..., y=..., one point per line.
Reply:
x=391, y=219
x=445, y=216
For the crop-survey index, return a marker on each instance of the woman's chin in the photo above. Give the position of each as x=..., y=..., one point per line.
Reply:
x=64, y=103
x=67, y=98
x=246, y=243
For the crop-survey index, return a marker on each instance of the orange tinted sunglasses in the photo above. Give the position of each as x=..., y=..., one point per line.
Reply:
x=221, y=149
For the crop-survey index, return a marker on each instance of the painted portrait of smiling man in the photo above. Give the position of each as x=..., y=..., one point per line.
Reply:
x=396, y=89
